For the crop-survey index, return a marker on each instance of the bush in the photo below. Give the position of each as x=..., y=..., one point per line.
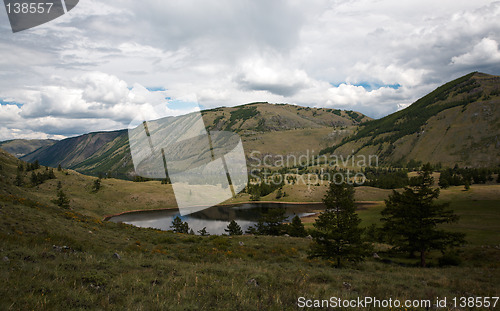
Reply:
x=449, y=259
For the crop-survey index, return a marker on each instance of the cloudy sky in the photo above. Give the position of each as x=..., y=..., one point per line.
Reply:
x=96, y=67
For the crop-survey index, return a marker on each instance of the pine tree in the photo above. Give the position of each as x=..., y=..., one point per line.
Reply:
x=296, y=227
x=19, y=179
x=179, y=226
x=59, y=185
x=271, y=222
x=96, y=186
x=203, y=232
x=34, y=179
x=411, y=218
x=62, y=200
x=59, y=168
x=51, y=174
x=337, y=235
x=233, y=228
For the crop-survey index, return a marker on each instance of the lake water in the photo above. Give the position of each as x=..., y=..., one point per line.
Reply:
x=215, y=218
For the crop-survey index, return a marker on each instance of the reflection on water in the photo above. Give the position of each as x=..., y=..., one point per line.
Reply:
x=215, y=218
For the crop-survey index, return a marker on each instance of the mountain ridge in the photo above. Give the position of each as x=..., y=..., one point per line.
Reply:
x=262, y=126
x=445, y=126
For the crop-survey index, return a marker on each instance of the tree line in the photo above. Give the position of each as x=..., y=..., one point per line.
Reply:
x=410, y=221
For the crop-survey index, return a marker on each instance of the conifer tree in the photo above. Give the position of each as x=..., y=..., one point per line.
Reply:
x=337, y=235
x=19, y=179
x=203, y=232
x=179, y=226
x=411, y=218
x=296, y=227
x=62, y=200
x=233, y=228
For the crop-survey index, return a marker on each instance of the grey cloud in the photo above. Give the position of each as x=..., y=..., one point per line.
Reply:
x=232, y=52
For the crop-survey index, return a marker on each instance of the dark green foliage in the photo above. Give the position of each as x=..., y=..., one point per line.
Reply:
x=449, y=259
x=460, y=176
x=271, y=222
x=32, y=166
x=336, y=111
x=337, y=235
x=233, y=228
x=241, y=114
x=34, y=179
x=411, y=218
x=19, y=179
x=96, y=186
x=251, y=230
x=279, y=193
x=141, y=179
x=413, y=165
x=386, y=178
x=20, y=167
x=203, y=232
x=357, y=117
x=39, y=178
x=296, y=227
x=266, y=185
x=59, y=168
x=62, y=200
x=59, y=185
x=374, y=234
x=178, y=226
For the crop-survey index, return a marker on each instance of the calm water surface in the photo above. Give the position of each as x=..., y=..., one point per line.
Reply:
x=215, y=218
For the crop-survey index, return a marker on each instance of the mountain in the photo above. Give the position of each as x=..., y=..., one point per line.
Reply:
x=458, y=123
x=21, y=147
x=267, y=128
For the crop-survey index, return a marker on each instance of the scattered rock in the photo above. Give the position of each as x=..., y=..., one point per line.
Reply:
x=116, y=256
x=241, y=243
x=61, y=249
x=309, y=237
x=6, y=259
x=90, y=232
x=286, y=235
x=253, y=282
x=376, y=256
x=346, y=285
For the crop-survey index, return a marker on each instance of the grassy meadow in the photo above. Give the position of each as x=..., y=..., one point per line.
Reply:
x=64, y=259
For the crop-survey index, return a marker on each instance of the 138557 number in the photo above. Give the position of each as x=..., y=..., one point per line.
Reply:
x=29, y=8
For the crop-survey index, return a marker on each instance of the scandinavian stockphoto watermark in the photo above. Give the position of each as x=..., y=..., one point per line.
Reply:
x=204, y=168
x=26, y=14
x=310, y=169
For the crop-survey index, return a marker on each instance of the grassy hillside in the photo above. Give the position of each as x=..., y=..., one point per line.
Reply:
x=267, y=128
x=458, y=122
x=54, y=258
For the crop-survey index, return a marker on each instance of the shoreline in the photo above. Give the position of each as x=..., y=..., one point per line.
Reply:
x=108, y=217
